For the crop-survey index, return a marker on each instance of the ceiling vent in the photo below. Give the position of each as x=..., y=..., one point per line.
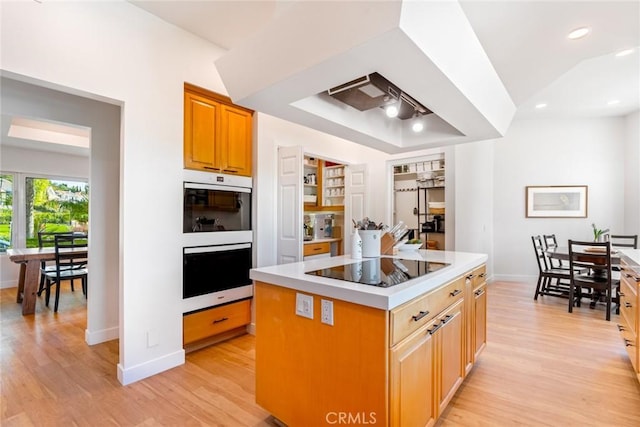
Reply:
x=374, y=91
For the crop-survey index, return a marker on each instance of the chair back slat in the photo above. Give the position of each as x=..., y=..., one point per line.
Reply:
x=65, y=259
x=541, y=258
x=624, y=241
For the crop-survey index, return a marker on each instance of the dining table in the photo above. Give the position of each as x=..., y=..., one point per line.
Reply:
x=30, y=260
x=562, y=253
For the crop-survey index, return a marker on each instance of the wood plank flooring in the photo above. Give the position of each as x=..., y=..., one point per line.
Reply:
x=541, y=367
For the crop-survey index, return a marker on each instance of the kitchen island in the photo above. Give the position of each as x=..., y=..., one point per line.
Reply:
x=332, y=351
x=629, y=292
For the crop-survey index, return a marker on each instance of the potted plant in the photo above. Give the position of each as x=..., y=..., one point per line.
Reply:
x=597, y=233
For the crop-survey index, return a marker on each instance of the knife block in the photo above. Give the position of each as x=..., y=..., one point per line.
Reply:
x=387, y=243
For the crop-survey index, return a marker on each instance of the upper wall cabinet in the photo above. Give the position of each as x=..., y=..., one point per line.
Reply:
x=217, y=133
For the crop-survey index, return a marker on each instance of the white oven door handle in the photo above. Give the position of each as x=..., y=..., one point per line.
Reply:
x=217, y=248
x=198, y=186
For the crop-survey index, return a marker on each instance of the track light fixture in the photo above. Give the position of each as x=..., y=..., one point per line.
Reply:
x=391, y=110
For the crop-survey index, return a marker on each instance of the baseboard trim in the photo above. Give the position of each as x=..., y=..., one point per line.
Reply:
x=103, y=335
x=9, y=284
x=514, y=278
x=150, y=368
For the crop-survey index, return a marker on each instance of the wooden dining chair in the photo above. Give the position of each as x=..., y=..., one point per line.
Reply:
x=47, y=239
x=547, y=274
x=595, y=258
x=624, y=241
x=550, y=242
x=69, y=266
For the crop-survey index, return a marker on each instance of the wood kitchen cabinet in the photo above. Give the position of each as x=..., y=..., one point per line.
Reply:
x=475, y=311
x=629, y=302
x=217, y=134
x=205, y=325
x=428, y=366
x=412, y=380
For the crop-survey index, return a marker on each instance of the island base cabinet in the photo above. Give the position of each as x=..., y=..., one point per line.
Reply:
x=398, y=367
x=449, y=349
x=309, y=373
x=426, y=370
x=629, y=314
x=479, y=319
x=412, y=380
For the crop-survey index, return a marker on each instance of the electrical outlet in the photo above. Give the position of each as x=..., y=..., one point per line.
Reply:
x=304, y=305
x=152, y=338
x=327, y=312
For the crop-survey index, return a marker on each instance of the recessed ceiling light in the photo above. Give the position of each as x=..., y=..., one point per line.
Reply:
x=613, y=102
x=624, y=52
x=417, y=126
x=578, y=33
x=541, y=105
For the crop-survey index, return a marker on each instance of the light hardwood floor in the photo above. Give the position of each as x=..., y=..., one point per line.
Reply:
x=542, y=367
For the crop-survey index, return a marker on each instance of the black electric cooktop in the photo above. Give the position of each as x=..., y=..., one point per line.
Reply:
x=382, y=272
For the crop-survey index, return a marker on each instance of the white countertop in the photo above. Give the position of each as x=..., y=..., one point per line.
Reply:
x=632, y=257
x=293, y=276
x=326, y=239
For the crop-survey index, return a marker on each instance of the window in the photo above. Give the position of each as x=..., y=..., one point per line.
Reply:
x=32, y=204
x=55, y=206
x=6, y=211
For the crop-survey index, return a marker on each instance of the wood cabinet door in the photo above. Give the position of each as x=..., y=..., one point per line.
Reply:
x=480, y=319
x=235, y=140
x=200, y=131
x=450, y=350
x=412, y=400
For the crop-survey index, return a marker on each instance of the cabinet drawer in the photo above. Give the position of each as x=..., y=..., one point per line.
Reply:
x=628, y=303
x=316, y=248
x=479, y=275
x=213, y=321
x=411, y=316
x=630, y=341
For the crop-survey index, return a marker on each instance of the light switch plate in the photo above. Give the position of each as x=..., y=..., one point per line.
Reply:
x=304, y=305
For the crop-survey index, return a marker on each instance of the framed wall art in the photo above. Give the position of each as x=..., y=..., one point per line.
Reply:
x=556, y=201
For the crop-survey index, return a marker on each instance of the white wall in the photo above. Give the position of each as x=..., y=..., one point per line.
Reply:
x=273, y=133
x=118, y=51
x=474, y=192
x=554, y=152
x=14, y=159
x=632, y=175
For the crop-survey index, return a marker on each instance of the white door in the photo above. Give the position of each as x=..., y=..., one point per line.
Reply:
x=289, y=204
x=355, y=207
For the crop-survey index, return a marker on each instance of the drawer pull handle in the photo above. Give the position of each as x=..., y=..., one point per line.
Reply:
x=469, y=277
x=419, y=315
x=220, y=320
x=230, y=171
x=620, y=327
x=454, y=293
x=482, y=275
x=317, y=249
x=435, y=328
x=627, y=304
x=621, y=294
x=210, y=168
x=628, y=343
x=446, y=318
x=479, y=292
